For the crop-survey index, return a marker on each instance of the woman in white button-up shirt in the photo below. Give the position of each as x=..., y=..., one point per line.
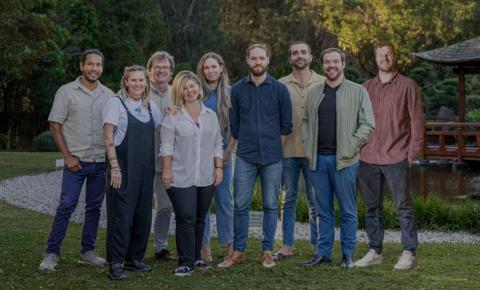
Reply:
x=192, y=155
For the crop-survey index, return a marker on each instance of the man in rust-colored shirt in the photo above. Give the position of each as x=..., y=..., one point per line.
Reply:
x=388, y=154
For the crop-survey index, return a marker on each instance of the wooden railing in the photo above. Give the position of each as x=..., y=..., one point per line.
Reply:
x=458, y=141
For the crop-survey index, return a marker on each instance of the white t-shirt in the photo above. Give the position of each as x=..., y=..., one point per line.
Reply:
x=114, y=113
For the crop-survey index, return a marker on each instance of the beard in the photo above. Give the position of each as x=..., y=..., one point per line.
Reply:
x=258, y=70
x=92, y=80
x=332, y=77
x=301, y=65
x=386, y=68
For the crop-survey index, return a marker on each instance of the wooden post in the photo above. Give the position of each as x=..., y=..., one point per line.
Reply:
x=461, y=94
x=461, y=112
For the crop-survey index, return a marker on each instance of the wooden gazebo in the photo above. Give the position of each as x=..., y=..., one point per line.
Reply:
x=465, y=56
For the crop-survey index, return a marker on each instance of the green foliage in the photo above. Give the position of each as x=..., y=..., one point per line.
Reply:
x=3, y=141
x=409, y=25
x=192, y=28
x=44, y=142
x=352, y=73
x=431, y=214
x=473, y=116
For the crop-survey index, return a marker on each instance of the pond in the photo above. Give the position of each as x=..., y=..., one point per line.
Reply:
x=439, y=179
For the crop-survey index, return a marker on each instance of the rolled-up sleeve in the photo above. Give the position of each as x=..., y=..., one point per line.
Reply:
x=59, y=110
x=286, y=124
x=233, y=113
x=167, y=135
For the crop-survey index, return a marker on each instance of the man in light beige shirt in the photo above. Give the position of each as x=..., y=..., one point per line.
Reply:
x=298, y=83
x=160, y=67
x=77, y=128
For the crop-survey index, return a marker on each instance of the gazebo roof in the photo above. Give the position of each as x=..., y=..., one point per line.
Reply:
x=466, y=52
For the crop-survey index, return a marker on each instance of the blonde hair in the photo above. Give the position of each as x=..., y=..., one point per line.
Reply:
x=179, y=83
x=223, y=92
x=124, y=90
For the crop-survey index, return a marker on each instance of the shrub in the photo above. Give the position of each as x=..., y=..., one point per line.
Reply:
x=3, y=141
x=431, y=214
x=44, y=142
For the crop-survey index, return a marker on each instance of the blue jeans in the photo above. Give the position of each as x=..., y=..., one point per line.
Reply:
x=290, y=175
x=224, y=209
x=72, y=182
x=243, y=183
x=326, y=181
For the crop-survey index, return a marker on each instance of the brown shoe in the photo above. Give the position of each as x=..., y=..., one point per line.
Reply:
x=164, y=255
x=236, y=258
x=267, y=259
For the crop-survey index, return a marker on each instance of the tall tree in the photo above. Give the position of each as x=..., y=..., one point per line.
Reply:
x=192, y=29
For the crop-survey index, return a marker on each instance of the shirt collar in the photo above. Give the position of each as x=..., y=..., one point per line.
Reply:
x=80, y=86
x=268, y=80
x=154, y=89
x=203, y=110
x=393, y=80
x=315, y=78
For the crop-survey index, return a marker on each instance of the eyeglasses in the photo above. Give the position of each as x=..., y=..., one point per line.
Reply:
x=158, y=67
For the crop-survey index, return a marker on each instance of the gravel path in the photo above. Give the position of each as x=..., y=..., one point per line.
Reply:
x=41, y=192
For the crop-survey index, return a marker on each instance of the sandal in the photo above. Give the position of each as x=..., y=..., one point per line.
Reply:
x=279, y=256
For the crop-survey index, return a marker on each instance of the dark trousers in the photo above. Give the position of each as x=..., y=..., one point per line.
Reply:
x=371, y=179
x=191, y=206
x=72, y=182
x=129, y=218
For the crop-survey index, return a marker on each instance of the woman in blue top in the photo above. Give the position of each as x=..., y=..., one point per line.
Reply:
x=213, y=75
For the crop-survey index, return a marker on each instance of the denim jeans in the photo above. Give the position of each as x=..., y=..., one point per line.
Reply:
x=326, y=181
x=223, y=208
x=290, y=175
x=243, y=183
x=371, y=179
x=72, y=182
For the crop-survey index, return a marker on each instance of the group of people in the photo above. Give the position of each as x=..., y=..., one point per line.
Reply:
x=175, y=143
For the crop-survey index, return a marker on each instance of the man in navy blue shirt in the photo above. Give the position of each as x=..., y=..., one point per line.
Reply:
x=260, y=119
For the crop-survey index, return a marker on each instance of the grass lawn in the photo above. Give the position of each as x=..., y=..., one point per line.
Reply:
x=23, y=236
x=20, y=163
x=24, y=233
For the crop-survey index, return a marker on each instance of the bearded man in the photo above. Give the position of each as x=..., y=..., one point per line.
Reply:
x=260, y=119
x=337, y=122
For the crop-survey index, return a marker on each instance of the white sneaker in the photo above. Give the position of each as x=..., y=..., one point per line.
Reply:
x=406, y=261
x=49, y=262
x=91, y=258
x=371, y=258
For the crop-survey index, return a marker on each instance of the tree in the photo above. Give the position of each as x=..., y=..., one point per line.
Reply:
x=192, y=29
x=411, y=25
x=27, y=41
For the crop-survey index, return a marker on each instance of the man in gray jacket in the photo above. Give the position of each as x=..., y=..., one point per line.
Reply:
x=337, y=122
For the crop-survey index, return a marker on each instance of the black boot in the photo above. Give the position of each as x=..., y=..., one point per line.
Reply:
x=116, y=271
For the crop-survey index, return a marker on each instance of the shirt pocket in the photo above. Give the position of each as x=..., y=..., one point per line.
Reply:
x=184, y=128
x=396, y=99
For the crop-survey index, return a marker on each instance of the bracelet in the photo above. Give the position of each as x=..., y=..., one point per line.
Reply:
x=218, y=167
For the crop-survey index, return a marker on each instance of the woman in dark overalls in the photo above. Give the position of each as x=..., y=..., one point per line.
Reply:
x=129, y=121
